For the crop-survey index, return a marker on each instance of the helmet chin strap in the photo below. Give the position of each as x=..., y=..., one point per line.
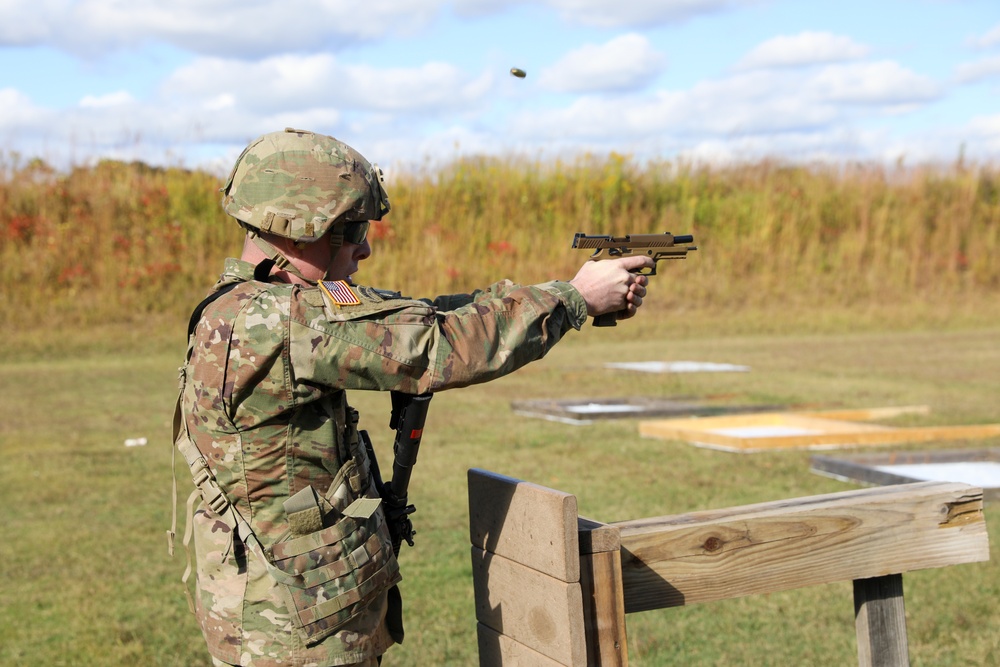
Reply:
x=280, y=261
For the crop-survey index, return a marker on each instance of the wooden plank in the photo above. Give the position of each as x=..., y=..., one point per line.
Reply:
x=604, y=609
x=524, y=522
x=530, y=607
x=880, y=619
x=497, y=650
x=714, y=555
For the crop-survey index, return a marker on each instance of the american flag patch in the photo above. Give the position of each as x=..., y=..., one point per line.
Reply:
x=340, y=292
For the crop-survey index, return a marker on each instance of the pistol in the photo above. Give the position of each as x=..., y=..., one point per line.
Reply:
x=657, y=246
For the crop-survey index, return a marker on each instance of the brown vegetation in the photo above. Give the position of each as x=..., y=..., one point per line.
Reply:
x=117, y=241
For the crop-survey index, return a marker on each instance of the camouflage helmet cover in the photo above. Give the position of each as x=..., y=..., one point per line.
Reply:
x=298, y=184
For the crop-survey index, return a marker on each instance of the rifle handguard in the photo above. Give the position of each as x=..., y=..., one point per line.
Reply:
x=409, y=412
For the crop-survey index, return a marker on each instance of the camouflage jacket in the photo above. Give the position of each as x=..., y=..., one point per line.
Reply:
x=263, y=401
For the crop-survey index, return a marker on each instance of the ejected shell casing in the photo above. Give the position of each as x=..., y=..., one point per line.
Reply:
x=518, y=72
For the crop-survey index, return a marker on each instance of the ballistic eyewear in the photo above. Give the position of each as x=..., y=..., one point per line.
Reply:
x=356, y=232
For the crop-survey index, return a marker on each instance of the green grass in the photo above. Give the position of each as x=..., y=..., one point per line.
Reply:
x=87, y=580
x=849, y=285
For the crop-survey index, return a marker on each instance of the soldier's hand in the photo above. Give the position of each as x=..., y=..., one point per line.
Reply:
x=609, y=286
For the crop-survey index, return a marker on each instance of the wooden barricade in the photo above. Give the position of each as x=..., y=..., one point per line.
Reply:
x=553, y=588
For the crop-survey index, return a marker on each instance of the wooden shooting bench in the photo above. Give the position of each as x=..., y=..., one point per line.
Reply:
x=552, y=588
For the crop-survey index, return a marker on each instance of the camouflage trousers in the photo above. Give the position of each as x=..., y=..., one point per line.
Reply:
x=372, y=662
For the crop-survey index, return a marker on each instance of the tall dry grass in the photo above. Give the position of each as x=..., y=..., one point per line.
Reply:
x=767, y=231
x=119, y=241
x=110, y=242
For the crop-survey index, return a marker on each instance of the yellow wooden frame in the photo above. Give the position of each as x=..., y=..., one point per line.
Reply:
x=811, y=430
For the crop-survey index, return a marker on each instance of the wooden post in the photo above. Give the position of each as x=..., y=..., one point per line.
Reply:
x=603, y=599
x=525, y=572
x=880, y=619
x=552, y=588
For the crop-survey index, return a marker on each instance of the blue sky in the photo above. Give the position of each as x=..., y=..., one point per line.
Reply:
x=415, y=82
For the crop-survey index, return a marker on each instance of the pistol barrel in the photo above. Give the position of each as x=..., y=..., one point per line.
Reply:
x=630, y=242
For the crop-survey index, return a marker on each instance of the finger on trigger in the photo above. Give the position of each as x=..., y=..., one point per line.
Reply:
x=637, y=262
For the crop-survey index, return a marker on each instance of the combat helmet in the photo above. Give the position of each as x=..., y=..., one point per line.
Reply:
x=300, y=185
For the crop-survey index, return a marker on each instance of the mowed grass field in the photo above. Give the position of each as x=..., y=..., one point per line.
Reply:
x=86, y=579
x=840, y=286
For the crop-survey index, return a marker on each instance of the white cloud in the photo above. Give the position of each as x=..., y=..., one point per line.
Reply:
x=256, y=28
x=796, y=112
x=831, y=144
x=748, y=104
x=987, y=40
x=28, y=22
x=977, y=139
x=117, y=99
x=117, y=127
x=223, y=102
x=215, y=27
x=644, y=13
x=586, y=118
x=805, y=48
x=314, y=81
x=753, y=103
x=17, y=110
x=977, y=71
x=478, y=8
x=985, y=131
x=625, y=63
x=432, y=86
x=882, y=83
x=259, y=66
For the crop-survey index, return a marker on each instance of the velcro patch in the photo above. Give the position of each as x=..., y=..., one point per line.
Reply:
x=376, y=295
x=340, y=292
x=362, y=508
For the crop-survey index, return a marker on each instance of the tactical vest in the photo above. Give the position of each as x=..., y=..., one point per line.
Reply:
x=336, y=555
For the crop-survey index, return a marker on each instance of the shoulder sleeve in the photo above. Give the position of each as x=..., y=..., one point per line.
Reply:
x=387, y=342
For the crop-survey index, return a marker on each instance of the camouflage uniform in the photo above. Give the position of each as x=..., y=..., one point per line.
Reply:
x=263, y=401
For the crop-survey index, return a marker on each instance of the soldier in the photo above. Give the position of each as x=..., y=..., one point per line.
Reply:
x=294, y=560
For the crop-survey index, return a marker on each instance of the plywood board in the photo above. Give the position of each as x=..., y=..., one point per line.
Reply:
x=977, y=473
x=782, y=430
x=978, y=467
x=677, y=367
x=580, y=411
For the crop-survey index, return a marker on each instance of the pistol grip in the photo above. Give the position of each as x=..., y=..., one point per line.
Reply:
x=606, y=320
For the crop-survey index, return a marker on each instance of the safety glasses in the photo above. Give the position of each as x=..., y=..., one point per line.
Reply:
x=356, y=232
